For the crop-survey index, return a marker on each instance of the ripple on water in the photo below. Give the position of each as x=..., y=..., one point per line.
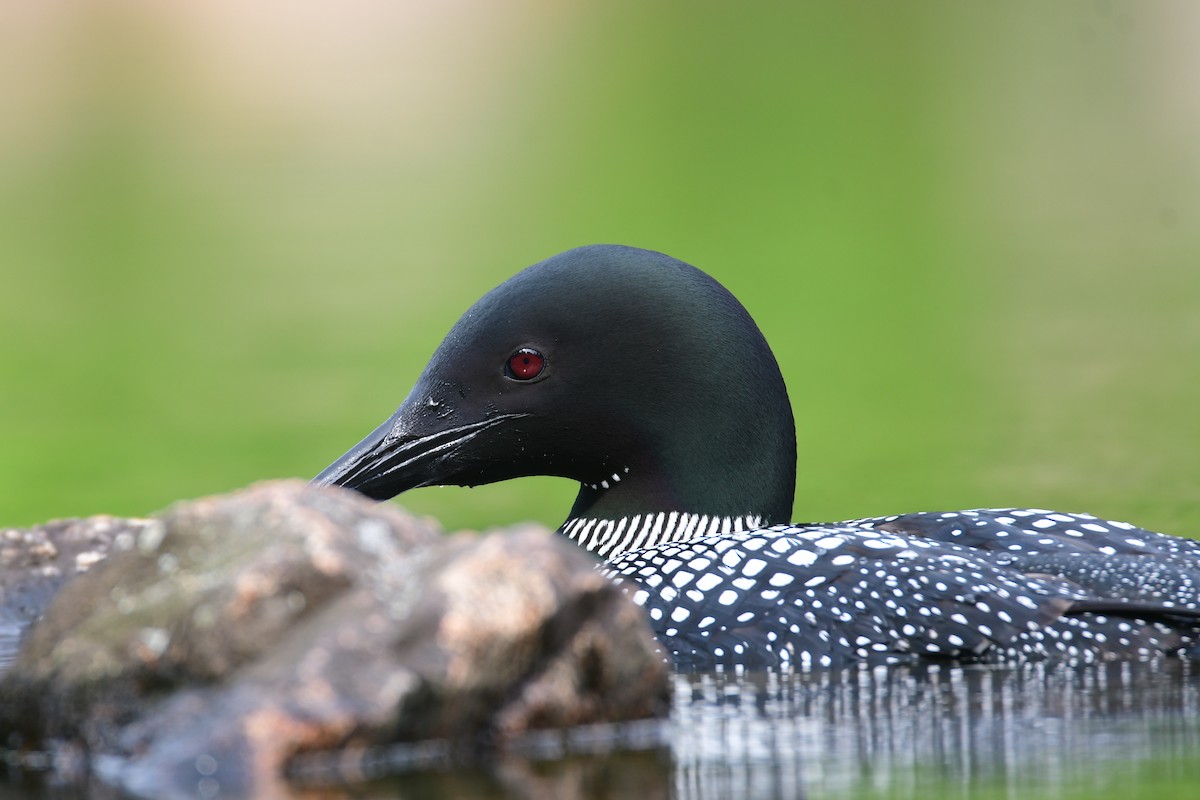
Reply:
x=10, y=637
x=932, y=731
x=887, y=730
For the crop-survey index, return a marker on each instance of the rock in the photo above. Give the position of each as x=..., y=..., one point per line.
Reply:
x=35, y=563
x=224, y=638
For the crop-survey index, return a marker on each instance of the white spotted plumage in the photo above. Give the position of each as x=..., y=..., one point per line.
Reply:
x=989, y=584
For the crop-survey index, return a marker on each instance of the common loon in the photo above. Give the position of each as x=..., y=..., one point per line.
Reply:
x=646, y=381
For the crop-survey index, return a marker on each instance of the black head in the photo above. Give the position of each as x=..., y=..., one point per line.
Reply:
x=624, y=369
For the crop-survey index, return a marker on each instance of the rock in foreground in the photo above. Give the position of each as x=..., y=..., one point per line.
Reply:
x=219, y=641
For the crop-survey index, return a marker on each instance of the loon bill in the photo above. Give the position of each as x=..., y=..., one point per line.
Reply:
x=647, y=382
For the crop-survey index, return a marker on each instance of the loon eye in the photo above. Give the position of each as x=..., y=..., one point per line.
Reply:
x=526, y=364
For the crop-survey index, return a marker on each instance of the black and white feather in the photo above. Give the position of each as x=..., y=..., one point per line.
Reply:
x=982, y=585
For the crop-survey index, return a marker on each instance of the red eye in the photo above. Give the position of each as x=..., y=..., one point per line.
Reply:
x=526, y=364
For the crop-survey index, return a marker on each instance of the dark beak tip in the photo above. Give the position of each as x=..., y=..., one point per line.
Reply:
x=392, y=460
x=327, y=476
x=342, y=471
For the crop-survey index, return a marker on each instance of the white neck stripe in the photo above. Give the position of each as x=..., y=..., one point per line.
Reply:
x=607, y=538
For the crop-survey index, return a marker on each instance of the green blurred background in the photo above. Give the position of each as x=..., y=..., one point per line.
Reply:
x=232, y=233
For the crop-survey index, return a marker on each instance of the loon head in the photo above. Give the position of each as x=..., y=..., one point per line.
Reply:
x=631, y=372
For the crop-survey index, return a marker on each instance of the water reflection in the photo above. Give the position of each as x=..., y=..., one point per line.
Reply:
x=1104, y=731
x=902, y=731
x=10, y=635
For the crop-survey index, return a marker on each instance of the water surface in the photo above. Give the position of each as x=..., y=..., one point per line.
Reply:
x=1115, y=730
